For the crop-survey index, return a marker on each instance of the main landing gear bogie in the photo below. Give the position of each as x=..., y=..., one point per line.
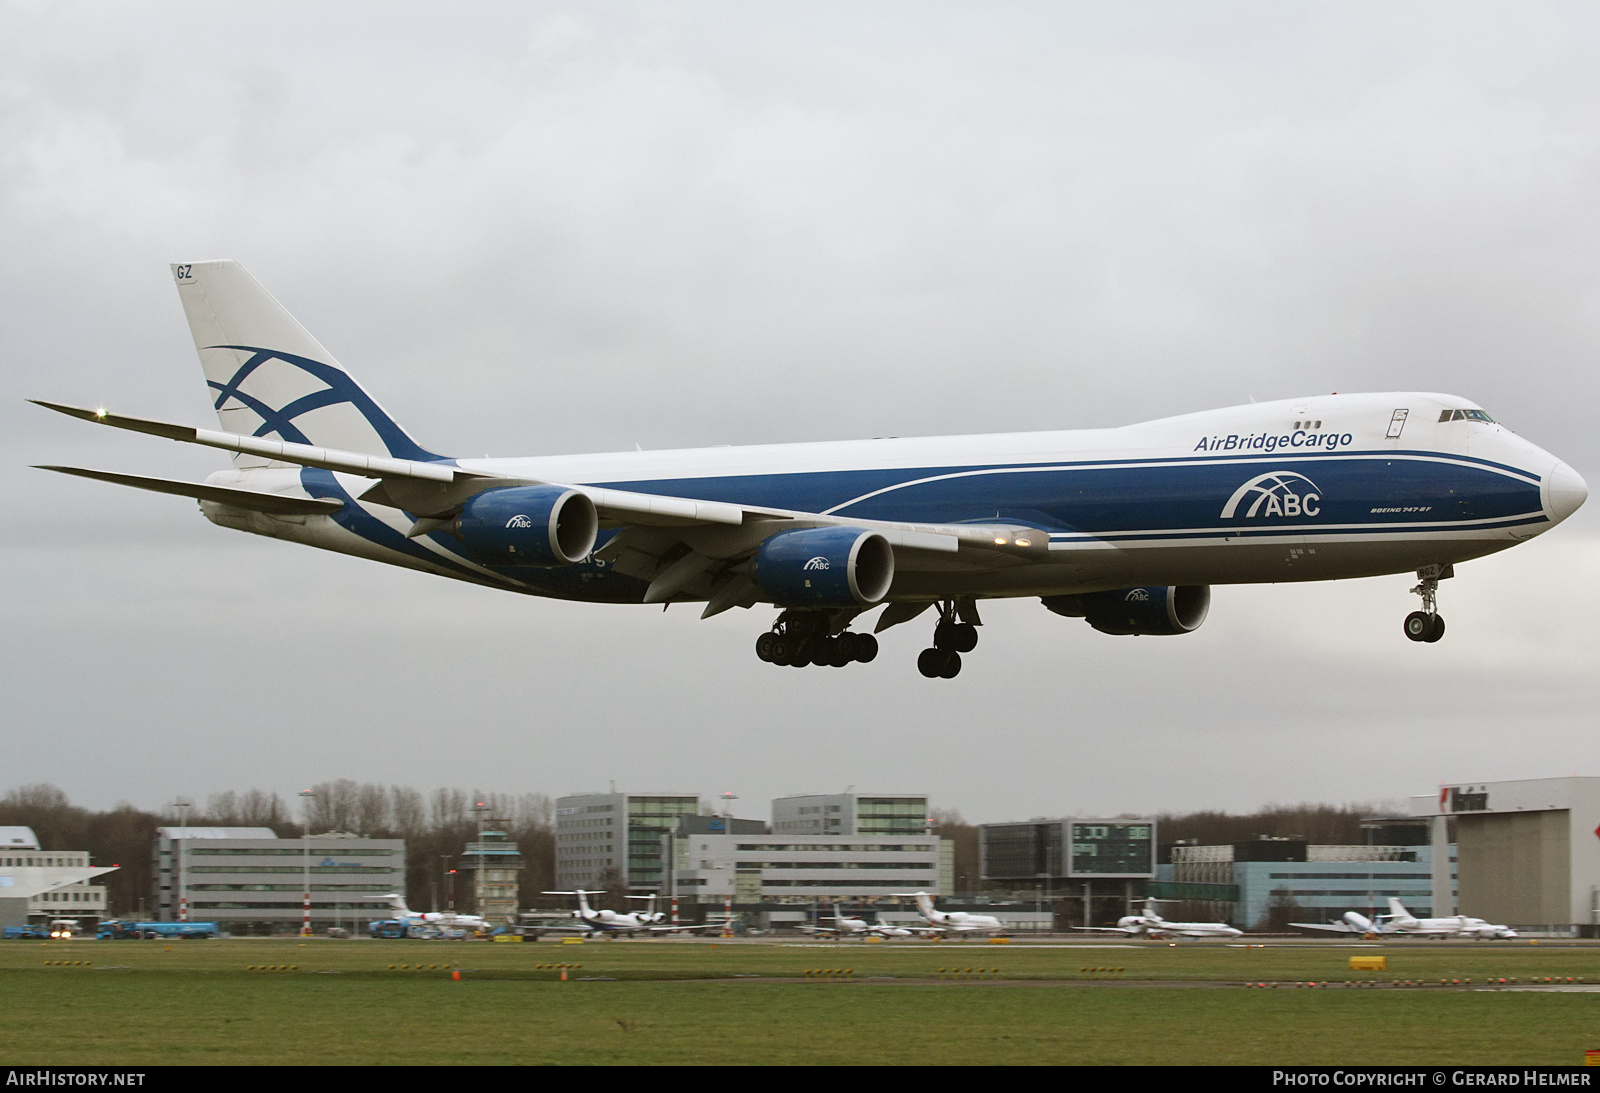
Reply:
x=797, y=641
x=951, y=638
x=1428, y=624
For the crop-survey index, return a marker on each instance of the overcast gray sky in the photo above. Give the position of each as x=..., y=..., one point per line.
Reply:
x=544, y=227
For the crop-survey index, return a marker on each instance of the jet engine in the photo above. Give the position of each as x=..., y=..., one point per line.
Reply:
x=1161, y=610
x=528, y=525
x=825, y=567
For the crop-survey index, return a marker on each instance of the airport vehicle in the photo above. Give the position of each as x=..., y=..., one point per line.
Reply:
x=114, y=929
x=848, y=926
x=1400, y=921
x=432, y=924
x=952, y=923
x=33, y=931
x=1149, y=923
x=1126, y=528
x=607, y=923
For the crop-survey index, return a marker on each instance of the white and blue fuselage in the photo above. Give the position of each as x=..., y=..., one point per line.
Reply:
x=1295, y=490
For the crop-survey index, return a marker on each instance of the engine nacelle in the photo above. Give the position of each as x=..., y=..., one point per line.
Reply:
x=1163, y=610
x=825, y=567
x=528, y=525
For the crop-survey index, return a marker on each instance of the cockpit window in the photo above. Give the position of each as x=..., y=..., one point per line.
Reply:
x=1464, y=415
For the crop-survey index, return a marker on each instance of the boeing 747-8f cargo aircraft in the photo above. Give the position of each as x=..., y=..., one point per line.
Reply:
x=1127, y=528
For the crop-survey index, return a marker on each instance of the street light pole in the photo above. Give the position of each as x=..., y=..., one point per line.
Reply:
x=306, y=796
x=733, y=858
x=182, y=804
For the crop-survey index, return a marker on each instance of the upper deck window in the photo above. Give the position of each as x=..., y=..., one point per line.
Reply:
x=1464, y=415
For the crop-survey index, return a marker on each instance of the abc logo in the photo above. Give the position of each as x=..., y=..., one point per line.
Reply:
x=819, y=562
x=519, y=521
x=1276, y=493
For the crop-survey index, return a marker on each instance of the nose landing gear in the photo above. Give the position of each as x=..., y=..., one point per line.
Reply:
x=955, y=633
x=1428, y=624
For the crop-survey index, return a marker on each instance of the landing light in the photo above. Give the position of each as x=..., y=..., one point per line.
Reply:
x=100, y=414
x=998, y=541
x=1024, y=542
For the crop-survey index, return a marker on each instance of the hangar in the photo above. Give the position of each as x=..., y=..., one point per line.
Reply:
x=1528, y=851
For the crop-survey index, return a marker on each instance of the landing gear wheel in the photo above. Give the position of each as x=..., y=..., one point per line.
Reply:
x=1419, y=624
x=764, y=646
x=929, y=661
x=840, y=653
x=964, y=637
x=866, y=648
x=951, y=666
x=1428, y=624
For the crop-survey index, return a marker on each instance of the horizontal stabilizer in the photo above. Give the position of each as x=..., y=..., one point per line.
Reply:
x=253, y=500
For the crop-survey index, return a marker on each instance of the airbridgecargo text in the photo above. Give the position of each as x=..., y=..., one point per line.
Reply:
x=1271, y=442
x=1358, y=1078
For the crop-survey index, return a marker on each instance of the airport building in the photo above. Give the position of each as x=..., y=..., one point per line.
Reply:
x=1099, y=866
x=786, y=879
x=848, y=814
x=39, y=885
x=1270, y=882
x=494, y=863
x=1528, y=851
x=250, y=881
x=597, y=832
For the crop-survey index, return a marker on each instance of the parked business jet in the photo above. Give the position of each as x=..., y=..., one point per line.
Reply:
x=1126, y=528
x=1149, y=923
x=848, y=926
x=433, y=923
x=604, y=923
x=953, y=923
x=1351, y=922
x=1400, y=921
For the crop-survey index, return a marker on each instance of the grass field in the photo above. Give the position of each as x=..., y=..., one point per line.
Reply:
x=156, y=1002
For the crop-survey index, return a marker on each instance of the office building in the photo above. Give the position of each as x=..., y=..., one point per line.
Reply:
x=248, y=880
x=626, y=832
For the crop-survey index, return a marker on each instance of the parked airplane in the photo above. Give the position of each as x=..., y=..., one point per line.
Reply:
x=605, y=923
x=1149, y=923
x=433, y=923
x=1350, y=922
x=844, y=925
x=1127, y=528
x=951, y=923
x=1402, y=922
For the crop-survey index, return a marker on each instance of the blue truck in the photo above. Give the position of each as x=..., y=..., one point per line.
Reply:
x=115, y=929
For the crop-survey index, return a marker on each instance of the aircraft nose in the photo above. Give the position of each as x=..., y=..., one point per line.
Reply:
x=1565, y=491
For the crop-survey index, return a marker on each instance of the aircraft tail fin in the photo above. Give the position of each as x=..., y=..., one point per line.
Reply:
x=269, y=377
x=1398, y=909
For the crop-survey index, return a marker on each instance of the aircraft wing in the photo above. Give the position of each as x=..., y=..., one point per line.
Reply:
x=254, y=500
x=1328, y=927
x=652, y=529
